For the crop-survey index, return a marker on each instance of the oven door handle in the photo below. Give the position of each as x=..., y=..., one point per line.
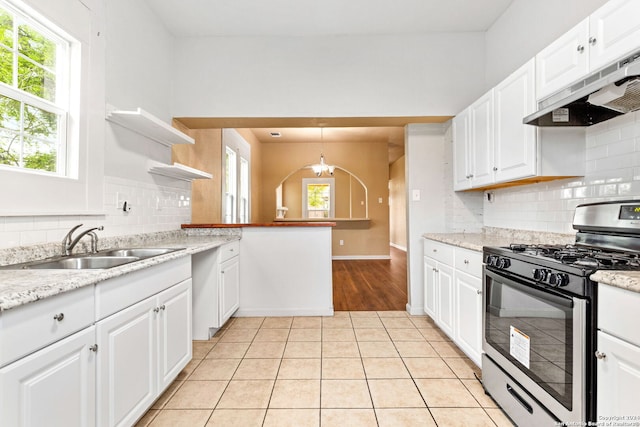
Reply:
x=563, y=301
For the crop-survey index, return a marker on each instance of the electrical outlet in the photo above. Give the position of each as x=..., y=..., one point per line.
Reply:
x=379, y=199
x=341, y=242
x=415, y=195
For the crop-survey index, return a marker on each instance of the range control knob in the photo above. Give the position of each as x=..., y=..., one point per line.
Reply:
x=492, y=260
x=540, y=274
x=559, y=279
x=503, y=263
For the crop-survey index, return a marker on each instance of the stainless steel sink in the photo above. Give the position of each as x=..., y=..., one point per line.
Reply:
x=82, y=263
x=105, y=259
x=139, y=252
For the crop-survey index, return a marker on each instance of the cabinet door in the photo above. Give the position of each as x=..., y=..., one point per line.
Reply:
x=174, y=332
x=53, y=387
x=481, y=137
x=445, y=311
x=564, y=61
x=127, y=364
x=461, y=150
x=515, y=142
x=614, y=31
x=229, y=288
x=469, y=315
x=618, y=378
x=430, y=279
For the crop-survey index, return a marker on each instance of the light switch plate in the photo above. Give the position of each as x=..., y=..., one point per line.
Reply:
x=415, y=195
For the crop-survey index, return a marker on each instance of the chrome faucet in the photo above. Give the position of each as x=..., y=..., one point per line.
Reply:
x=68, y=243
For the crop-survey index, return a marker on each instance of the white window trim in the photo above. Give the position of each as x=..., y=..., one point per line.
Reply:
x=332, y=195
x=233, y=140
x=81, y=193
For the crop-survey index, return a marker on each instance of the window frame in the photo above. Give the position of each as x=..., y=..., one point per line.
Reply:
x=61, y=106
x=233, y=141
x=332, y=195
x=81, y=192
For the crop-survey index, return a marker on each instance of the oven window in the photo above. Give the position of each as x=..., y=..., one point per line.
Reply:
x=534, y=333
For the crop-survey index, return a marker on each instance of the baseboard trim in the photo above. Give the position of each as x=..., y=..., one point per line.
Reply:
x=402, y=248
x=358, y=257
x=264, y=312
x=415, y=311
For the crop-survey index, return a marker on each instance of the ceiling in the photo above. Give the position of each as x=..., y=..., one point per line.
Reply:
x=186, y=18
x=275, y=18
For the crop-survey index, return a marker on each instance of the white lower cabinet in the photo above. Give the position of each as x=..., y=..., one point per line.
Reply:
x=453, y=294
x=618, y=356
x=468, y=329
x=55, y=386
x=142, y=349
x=216, y=288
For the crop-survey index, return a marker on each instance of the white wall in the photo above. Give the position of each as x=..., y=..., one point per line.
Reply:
x=139, y=56
x=350, y=76
x=613, y=173
x=525, y=28
x=425, y=155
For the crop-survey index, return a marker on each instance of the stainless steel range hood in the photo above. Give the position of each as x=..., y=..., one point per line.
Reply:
x=610, y=92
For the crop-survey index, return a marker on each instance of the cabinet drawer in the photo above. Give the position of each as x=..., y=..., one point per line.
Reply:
x=469, y=261
x=439, y=251
x=618, y=313
x=33, y=326
x=229, y=250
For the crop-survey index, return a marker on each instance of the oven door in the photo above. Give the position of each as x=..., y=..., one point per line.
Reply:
x=537, y=336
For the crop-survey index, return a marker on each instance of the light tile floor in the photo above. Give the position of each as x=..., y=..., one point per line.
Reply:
x=386, y=369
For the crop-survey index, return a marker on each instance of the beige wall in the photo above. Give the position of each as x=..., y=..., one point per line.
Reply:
x=397, y=204
x=368, y=161
x=206, y=155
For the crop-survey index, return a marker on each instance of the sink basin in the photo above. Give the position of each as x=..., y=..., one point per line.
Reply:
x=139, y=252
x=81, y=263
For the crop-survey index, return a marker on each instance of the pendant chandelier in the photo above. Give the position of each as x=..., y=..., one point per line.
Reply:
x=322, y=167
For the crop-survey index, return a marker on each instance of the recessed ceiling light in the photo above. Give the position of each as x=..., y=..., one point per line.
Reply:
x=275, y=134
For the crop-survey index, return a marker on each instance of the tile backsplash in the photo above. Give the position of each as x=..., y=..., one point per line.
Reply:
x=612, y=173
x=154, y=208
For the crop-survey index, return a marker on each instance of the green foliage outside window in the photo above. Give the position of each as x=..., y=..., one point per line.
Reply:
x=28, y=134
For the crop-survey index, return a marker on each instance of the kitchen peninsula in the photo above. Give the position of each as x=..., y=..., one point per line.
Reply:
x=285, y=267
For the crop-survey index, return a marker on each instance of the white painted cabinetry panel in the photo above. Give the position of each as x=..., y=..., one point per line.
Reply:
x=614, y=31
x=54, y=387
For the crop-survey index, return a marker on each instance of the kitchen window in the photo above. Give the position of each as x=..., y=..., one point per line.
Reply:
x=34, y=93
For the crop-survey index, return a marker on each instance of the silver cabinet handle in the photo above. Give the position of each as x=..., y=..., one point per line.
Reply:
x=478, y=291
x=466, y=261
x=580, y=48
x=59, y=317
x=163, y=307
x=471, y=176
x=156, y=310
x=600, y=355
x=495, y=169
x=592, y=41
x=435, y=250
x=94, y=348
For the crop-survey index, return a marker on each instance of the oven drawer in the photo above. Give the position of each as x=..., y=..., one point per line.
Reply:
x=618, y=313
x=469, y=261
x=439, y=251
x=521, y=407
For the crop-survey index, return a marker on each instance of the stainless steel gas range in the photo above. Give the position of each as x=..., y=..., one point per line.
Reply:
x=539, y=320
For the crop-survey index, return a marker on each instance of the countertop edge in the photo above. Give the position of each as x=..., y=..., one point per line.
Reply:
x=265, y=224
x=17, y=287
x=629, y=280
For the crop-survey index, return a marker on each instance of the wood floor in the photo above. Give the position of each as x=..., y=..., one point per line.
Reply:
x=371, y=284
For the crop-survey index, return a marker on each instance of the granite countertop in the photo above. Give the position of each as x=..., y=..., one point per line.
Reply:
x=499, y=237
x=629, y=280
x=264, y=224
x=19, y=287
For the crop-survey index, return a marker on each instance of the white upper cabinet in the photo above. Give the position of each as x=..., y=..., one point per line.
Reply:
x=481, y=136
x=614, y=31
x=515, y=142
x=564, y=61
x=461, y=149
x=610, y=33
